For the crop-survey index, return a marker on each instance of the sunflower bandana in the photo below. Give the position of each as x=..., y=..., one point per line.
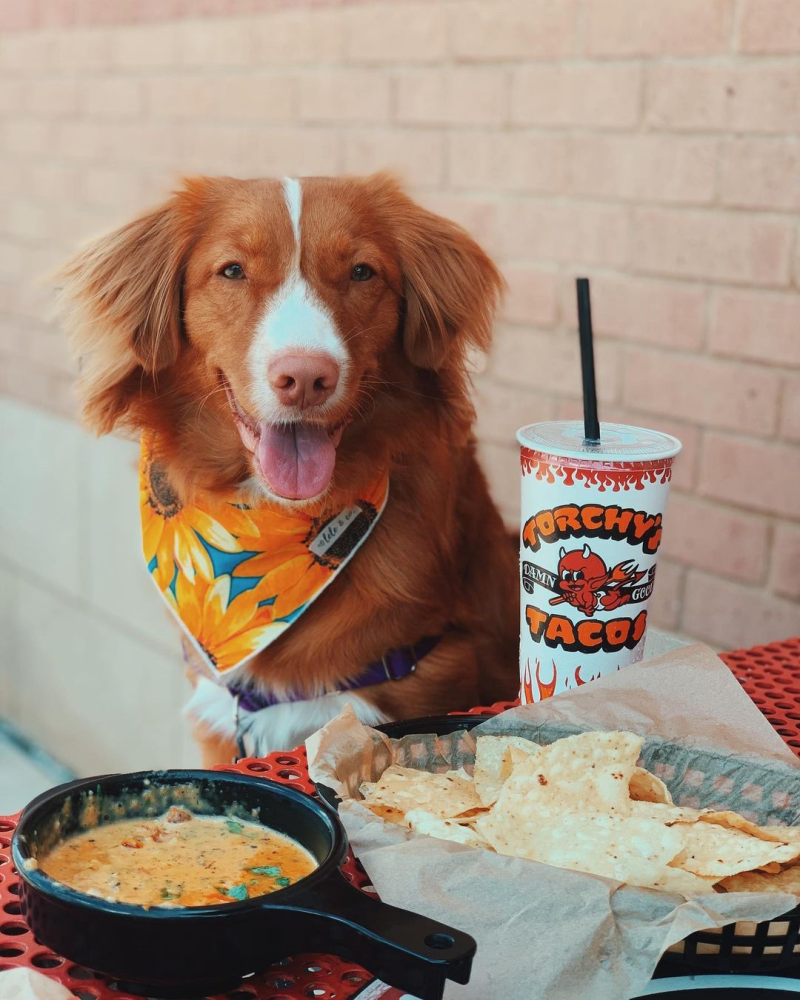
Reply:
x=236, y=576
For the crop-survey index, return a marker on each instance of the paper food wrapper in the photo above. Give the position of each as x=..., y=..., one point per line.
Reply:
x=27, y=984
x=547, y=932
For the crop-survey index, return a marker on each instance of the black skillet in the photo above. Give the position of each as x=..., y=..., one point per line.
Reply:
x=197, y=951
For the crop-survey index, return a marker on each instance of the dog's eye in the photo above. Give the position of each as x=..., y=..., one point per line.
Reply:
x=361, y=272
x=233, y=271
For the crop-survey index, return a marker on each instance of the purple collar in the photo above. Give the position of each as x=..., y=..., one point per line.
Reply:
x=392, y=666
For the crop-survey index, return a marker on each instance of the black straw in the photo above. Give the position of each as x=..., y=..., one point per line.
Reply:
x=591, y=425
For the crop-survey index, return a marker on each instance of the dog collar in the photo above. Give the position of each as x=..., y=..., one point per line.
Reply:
x=392, y=666
x=237, y=575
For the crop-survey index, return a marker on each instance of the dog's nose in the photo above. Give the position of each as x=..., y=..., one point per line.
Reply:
x=303, y=380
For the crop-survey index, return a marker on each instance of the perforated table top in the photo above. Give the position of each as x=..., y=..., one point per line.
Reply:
x=770, y=674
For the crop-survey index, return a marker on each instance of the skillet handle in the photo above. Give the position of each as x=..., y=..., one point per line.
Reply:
x=406, y=950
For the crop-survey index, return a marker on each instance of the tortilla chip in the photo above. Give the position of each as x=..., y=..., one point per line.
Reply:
x=709, y=848
x=462, y=773
x=678, y=880
x=470, y=815
x=404, y=788
x=512, y=756
x=788, y=834
x=734, y=821
x=666, y=814
x=492, y=766
x=390, y=813
x=588, y=772
x=443, y=829
x=646, y=787
x=786, y=880
x=630, y=849
x=569, y=806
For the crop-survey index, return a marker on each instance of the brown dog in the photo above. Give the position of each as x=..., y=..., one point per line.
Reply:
x=287, y=339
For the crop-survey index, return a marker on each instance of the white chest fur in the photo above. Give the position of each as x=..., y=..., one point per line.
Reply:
x=279, y=727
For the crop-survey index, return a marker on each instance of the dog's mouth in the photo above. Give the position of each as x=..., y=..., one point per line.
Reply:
x=295, y=460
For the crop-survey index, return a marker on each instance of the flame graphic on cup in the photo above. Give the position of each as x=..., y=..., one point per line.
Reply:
x=579, y=680
x=527, y=685
x=546, y=690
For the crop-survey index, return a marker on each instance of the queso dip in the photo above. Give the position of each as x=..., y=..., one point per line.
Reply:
x=177, y=859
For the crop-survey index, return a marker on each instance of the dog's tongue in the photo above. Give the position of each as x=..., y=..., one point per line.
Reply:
x=296, y=460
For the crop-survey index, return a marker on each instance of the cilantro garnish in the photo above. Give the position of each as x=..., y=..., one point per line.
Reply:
x=271, y=870
x=234, y=826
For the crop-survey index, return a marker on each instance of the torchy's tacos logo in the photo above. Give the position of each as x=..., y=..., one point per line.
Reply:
x=593, y=521
x=586, y=636
x=584, y=581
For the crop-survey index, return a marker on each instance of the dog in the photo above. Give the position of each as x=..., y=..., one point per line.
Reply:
x=283, y=343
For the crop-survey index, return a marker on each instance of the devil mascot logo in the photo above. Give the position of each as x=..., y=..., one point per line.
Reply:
x=585, y=581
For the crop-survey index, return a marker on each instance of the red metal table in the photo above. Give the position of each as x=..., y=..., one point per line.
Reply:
x=770, y=675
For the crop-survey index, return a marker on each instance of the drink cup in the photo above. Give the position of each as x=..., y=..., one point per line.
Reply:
x=592, y=519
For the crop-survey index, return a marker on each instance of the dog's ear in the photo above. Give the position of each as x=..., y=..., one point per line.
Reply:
x=450, y=286
x=122, y=299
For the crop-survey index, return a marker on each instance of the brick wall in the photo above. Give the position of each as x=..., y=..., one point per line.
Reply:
x=651, y=145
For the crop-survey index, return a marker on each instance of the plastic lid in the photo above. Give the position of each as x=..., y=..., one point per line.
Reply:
x=617, y=441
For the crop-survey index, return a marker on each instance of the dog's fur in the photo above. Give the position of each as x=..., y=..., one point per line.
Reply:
x=160, y=331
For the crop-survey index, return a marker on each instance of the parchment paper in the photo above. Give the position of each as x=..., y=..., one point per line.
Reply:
x=546, y=933
x=27, y=984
